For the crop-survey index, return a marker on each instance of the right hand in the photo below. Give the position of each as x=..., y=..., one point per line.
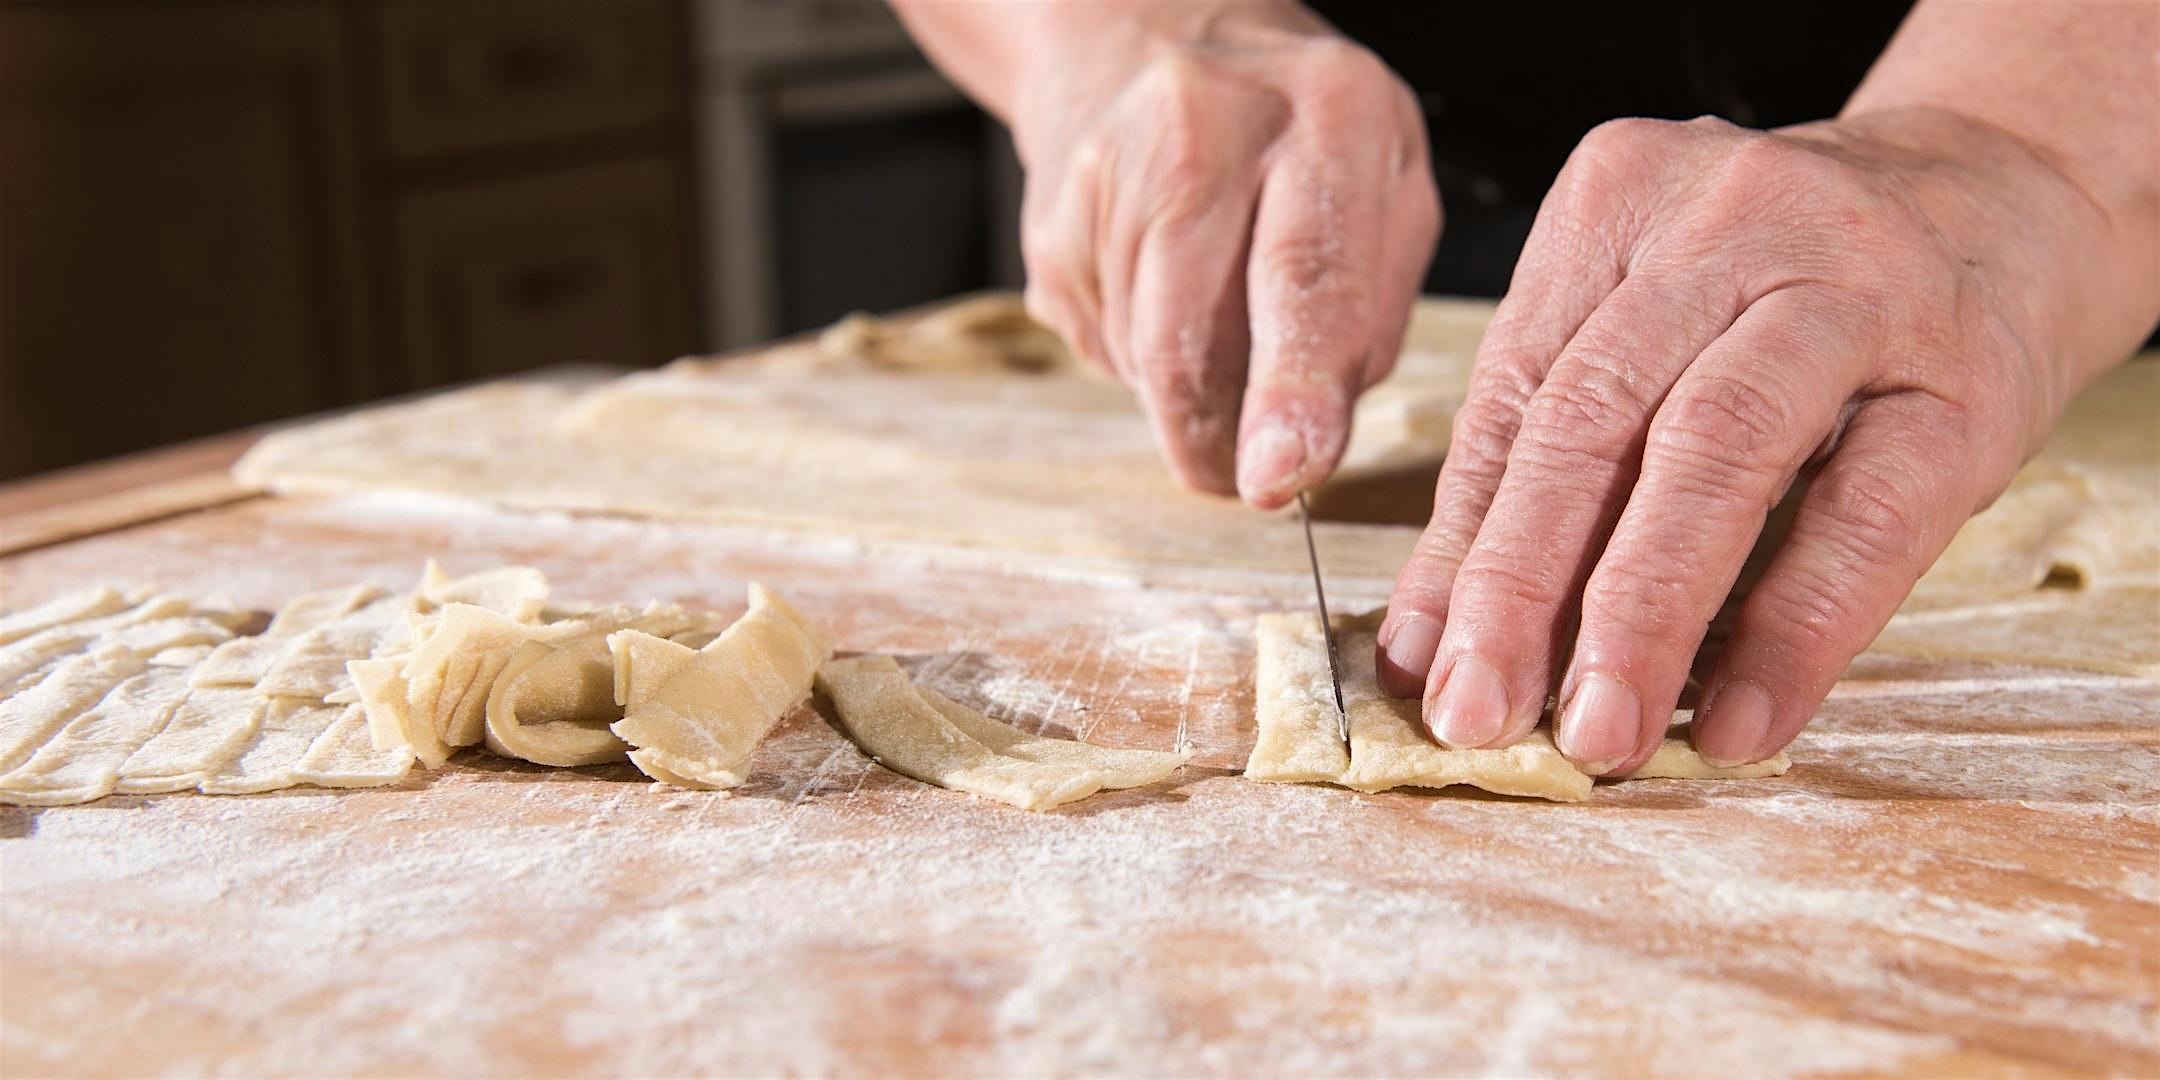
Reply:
x=1234, y=216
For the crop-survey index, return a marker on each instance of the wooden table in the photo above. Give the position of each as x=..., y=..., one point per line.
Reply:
x=1960, y=876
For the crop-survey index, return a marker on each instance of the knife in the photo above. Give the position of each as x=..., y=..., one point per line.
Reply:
x=1327, y=631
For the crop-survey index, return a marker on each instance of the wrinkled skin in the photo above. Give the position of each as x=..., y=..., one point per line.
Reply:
x=1235, y=225
x=1702, y=314
x=1229, y=206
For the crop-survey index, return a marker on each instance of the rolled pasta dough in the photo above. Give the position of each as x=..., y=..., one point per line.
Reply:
x=1389, y=748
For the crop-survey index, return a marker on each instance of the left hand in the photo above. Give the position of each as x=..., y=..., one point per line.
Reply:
x=1702, y=315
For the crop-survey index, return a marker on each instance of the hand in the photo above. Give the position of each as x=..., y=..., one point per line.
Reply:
x=1704, y=314
x=1233, y=215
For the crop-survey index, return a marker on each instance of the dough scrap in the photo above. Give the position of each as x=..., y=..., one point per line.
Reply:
x=24, y=661
x=244, y=661
x=1389, y=748
x=2115, y=630
x=554, y=699
x=449, y=675
x=290, y=726
x=84, y=759
x=313, y=665
x=1116, y=767
x=901, y=730
x=65, y=608
x=345, y=756
x=694, y=715
x=75, y=683
x=2087, y=507
x=1295, y=743
x=519, y=593
x=212, y=726
x=142, y=642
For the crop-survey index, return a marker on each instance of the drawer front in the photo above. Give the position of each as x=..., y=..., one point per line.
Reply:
x=586, y=266
x=759, y=31
x=458, y=77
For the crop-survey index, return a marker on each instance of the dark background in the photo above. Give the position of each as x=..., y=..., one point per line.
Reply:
x=217, y=213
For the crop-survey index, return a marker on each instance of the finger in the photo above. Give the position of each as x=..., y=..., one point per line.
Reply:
x=1057, y=245
x=1313, y=288
x=1190, y=337
x=1568, y=473
x=1412, y=229
x=1722, y=447
x=1902, y=478
x=1566, y=268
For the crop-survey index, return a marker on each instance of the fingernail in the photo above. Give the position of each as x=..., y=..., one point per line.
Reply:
x=1410, y=654
x=1270, y=461
x=1472, y=705
x=1601, y=724
x=1730, y=730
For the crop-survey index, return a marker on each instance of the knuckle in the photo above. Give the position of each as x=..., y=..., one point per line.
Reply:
x=1814, y=616
x=1484, y=430
x=1595, y=411
x=1874, y=516
x=1724, y=428
x=1647, y=597
x=1044, y=255
x=1625, y=136
x=1309, y=271
x=1768, y=178
x=1345, y=72
x=1498, y=582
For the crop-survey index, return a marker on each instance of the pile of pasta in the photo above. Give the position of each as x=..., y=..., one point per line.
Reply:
x=104, y=691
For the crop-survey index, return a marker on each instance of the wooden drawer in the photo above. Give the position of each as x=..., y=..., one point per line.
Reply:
x=479, y=76
x=586, y=265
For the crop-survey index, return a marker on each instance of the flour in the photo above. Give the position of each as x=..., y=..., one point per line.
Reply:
x=1952, y=868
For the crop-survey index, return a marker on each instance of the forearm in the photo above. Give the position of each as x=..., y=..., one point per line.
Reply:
x=997, y=51
x=2076, y=84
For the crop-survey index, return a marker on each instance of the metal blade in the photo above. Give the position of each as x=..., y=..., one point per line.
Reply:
x=1327, y=630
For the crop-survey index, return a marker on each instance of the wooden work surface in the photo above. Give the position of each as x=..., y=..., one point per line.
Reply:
x=1960, y=875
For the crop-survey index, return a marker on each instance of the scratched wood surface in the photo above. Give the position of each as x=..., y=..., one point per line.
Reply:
x=1960, y=876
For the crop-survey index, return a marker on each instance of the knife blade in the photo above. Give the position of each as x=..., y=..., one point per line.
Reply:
x=1327, y=630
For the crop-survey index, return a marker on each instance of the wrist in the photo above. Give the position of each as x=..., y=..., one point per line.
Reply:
x=1082, y=53
x=2071, y=280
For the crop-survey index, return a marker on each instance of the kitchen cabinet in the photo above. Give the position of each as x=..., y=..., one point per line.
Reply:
x=213, y=215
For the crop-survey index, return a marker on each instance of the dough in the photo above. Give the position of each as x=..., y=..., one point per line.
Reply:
x=212, y=726
x=290, y=726
x=694, y=715
x=66, y=608
x=24, y=661
x=345, y=755
x=450, y=673
x=143, y=641
x=83, y=761
x=313, y=665
x=554, y=700
x=1116, y=768
x=77, y=682
x=516, y=592
x=1389, y=748
x=1295, y=742
x=869, y=453
x=244, y=661
x=902, y=731
x=2115, y=630
x=2085, y=511
x=159, y=696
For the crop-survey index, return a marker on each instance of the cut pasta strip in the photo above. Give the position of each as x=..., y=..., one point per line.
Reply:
x=1389, y=747
x=900, y=729
x=693, y=716
x=83, y=761
x=1117, y=768
x=62, y=609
